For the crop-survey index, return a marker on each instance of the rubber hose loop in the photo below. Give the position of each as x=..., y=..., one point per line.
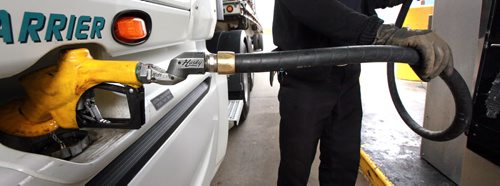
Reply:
x=457, y=86
x=463, y=107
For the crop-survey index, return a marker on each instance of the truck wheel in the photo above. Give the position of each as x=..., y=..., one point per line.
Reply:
x=261, y=42
x=240, y=92
x=247, y=82
x=257, y=42
x=239, y=85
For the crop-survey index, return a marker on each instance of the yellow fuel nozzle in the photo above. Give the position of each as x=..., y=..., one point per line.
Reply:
x=53, y=92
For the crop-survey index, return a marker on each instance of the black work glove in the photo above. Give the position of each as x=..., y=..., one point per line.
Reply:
x=434, y=51
x=385, y=3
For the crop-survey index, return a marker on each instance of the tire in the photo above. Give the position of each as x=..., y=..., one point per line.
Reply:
x=247, y=82
x=261, y=42
x=212, y=44
x=257, y=42
x=239, y=85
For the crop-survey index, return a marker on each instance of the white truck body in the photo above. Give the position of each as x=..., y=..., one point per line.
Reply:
x=191, y=153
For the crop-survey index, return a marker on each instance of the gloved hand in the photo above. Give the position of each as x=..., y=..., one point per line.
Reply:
x=434, y=51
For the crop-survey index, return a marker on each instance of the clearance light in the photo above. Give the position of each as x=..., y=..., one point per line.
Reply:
x=130, y=29
x=229, y=8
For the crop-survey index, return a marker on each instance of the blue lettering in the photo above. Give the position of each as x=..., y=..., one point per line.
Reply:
x=30, y=28
x=71, y=27
x=57, y=23
x=58, y=27
x=97, y=26
x=5, y=27
x=81, y=26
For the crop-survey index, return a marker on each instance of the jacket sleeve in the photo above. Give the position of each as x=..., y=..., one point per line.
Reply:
x=334, y=20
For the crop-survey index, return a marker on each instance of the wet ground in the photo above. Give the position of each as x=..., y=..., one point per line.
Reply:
x=385, y=137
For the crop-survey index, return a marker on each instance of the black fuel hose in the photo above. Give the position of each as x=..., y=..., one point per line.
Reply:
x=287, y=60
x=296, y=59
x=458, y=87
x=463, y=107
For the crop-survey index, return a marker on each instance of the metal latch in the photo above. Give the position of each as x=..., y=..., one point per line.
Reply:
x=89, y=115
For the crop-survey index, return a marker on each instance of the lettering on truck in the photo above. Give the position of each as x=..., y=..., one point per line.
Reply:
x=57, y=27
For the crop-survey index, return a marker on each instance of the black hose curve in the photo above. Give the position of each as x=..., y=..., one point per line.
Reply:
x=463, y=107
x=459, y=90
x=285, y=60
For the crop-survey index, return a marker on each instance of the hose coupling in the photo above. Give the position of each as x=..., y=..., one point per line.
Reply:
x=226, y=62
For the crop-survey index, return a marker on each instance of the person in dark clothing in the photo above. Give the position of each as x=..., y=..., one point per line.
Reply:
x=323, y=104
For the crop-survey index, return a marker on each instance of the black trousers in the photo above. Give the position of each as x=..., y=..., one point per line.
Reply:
x=327, y=111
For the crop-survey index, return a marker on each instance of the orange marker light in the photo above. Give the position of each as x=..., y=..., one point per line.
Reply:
x=229, y=8
x=130, y=29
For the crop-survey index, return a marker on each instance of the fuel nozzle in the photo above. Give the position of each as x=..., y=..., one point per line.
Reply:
x=186, y=64
x=149, y=73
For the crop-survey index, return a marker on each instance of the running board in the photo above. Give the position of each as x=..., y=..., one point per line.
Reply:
x=235, y=107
